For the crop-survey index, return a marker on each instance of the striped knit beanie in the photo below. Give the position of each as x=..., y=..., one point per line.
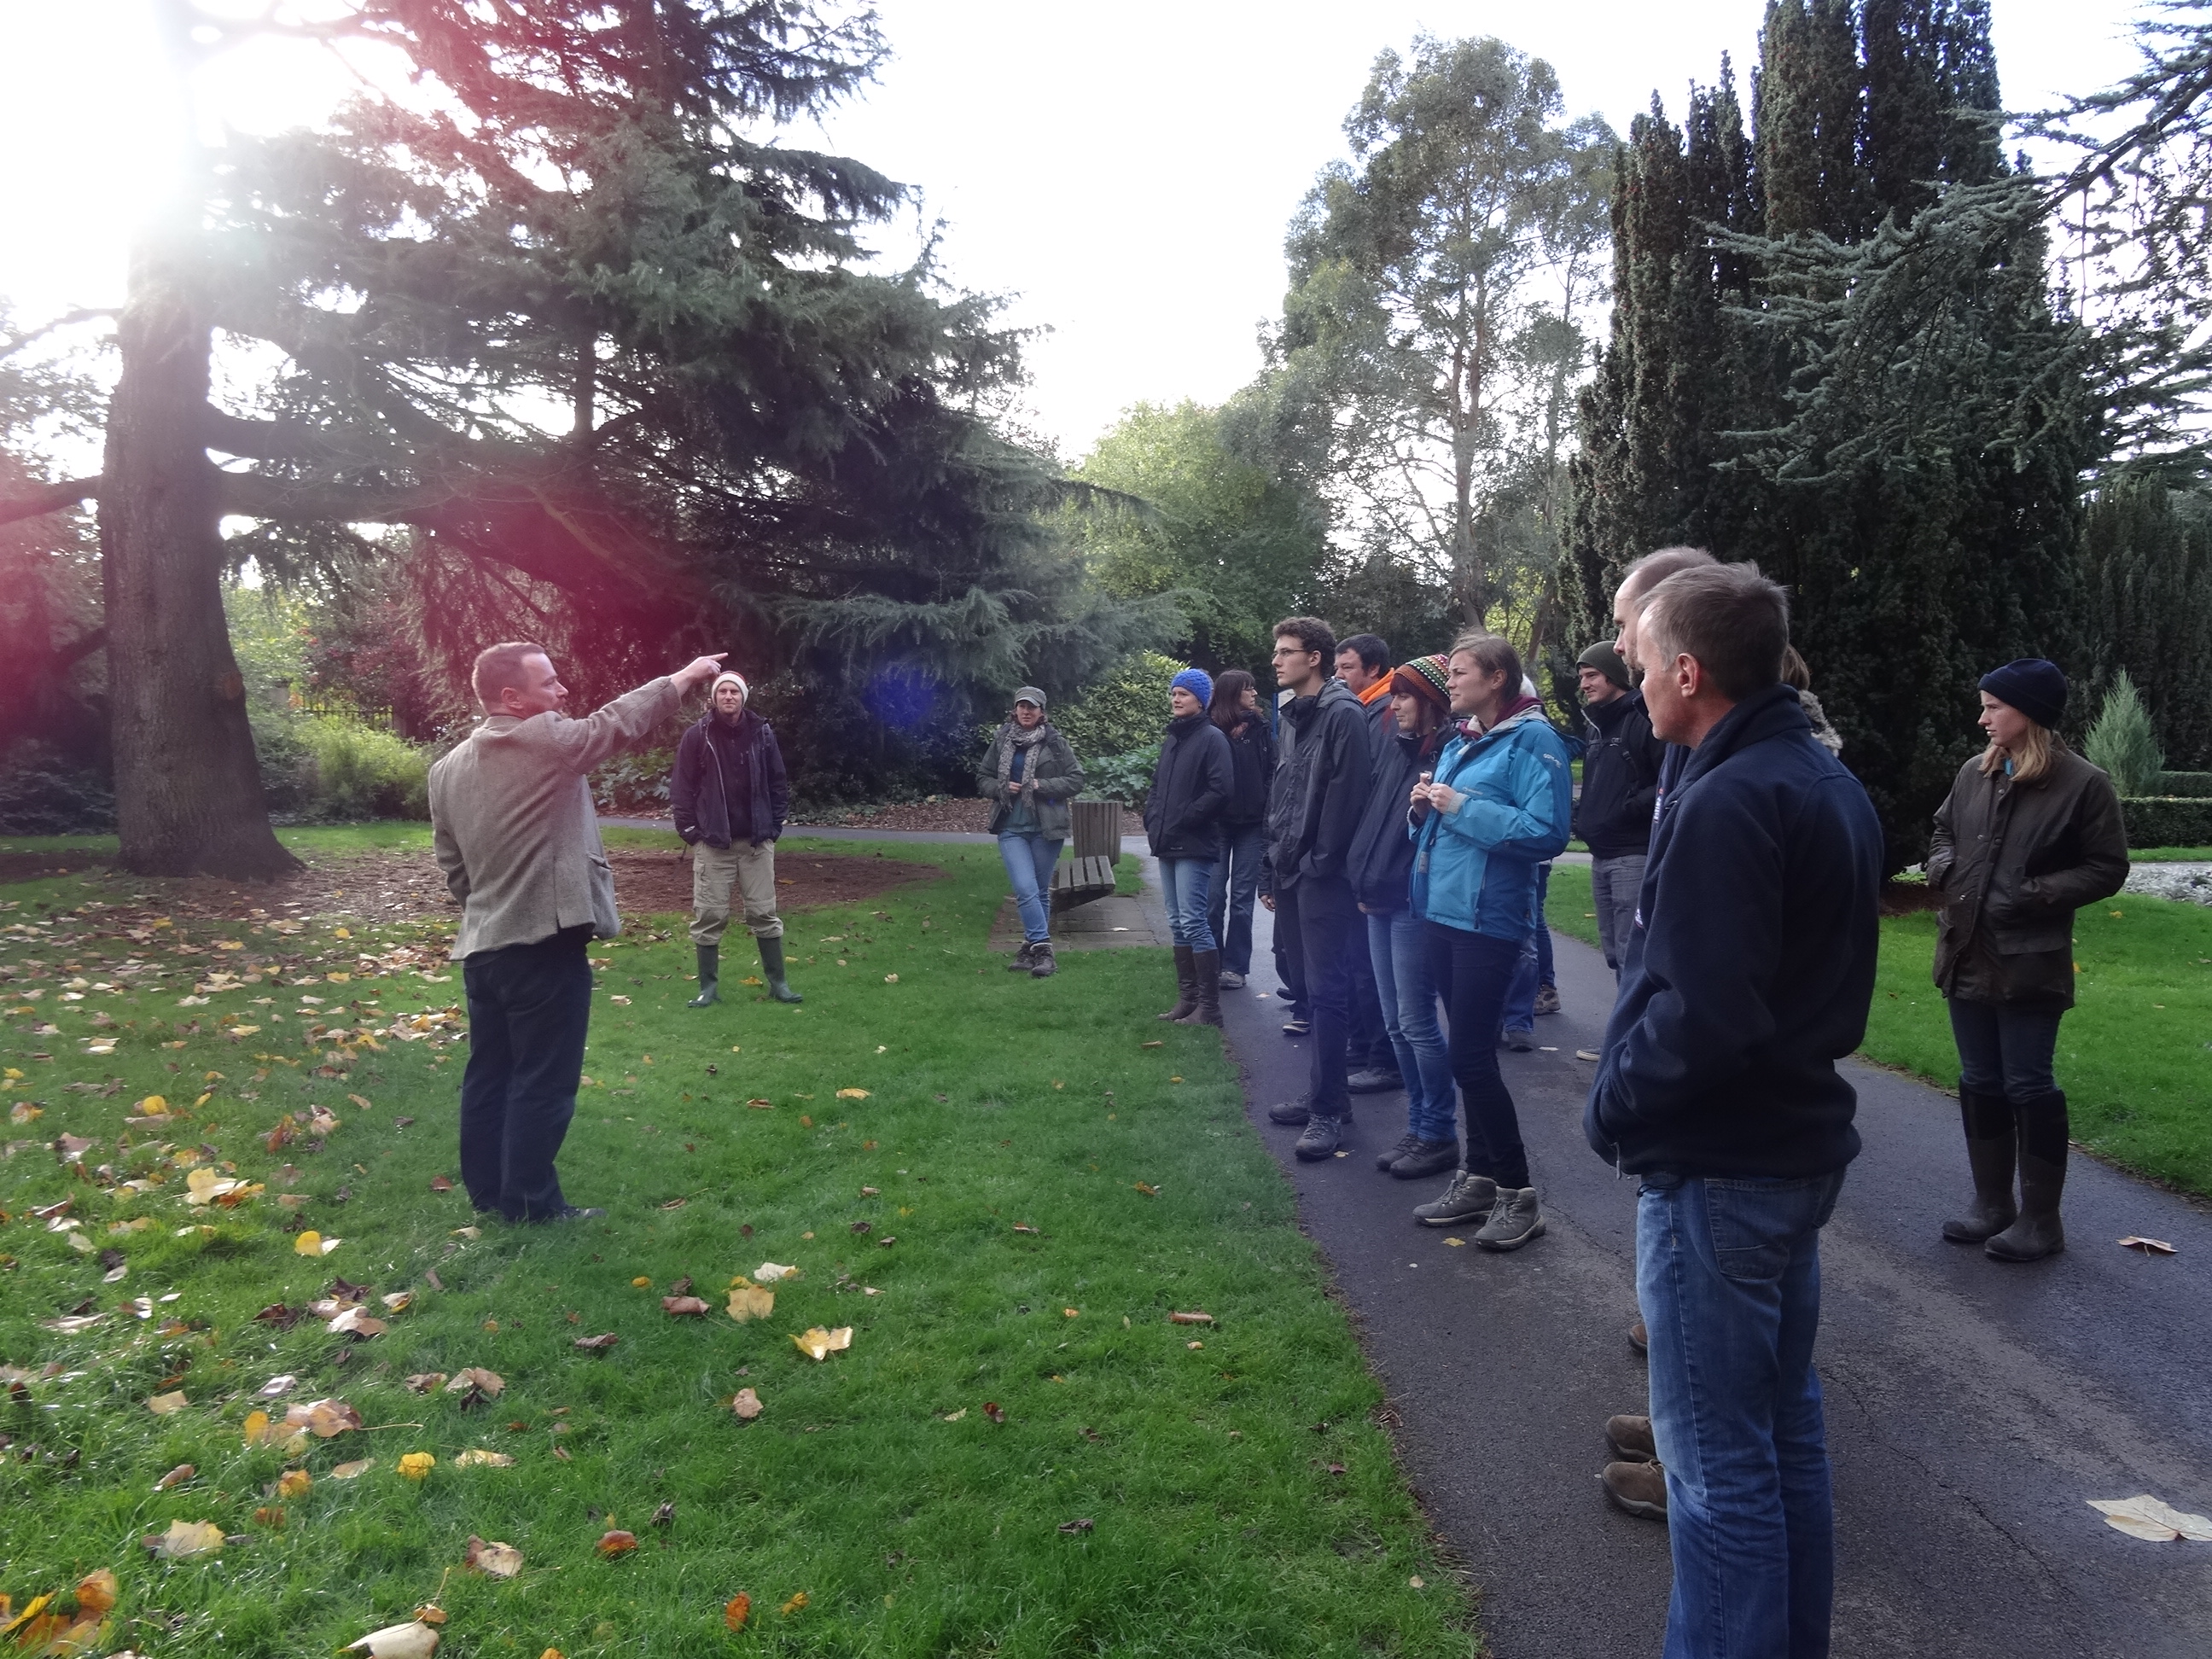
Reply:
x=1423, y=677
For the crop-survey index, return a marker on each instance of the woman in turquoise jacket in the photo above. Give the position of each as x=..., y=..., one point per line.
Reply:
x=1497, y=806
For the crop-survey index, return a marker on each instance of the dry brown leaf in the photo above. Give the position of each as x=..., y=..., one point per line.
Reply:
x=477, y=1458
x=412, y=1640
x=293, y=1483
x=2146, y=1517
x=818, y=1344
x=747, y=1406
x=161, y=1405
x=498, y=1560
x=487, y=1383
x=354, y=1470
x=175, y=1477
x=398, y=1302
x=357, y=1323
x=2148, y=1246
x=749, y=1301
x=260, y=1430
x=424, y=1382
x=735, y=1611
x=852, y=1094
x=271, y=1516
x=617, y=1542
x=96, y=1593
x=995, y=1410
x=770, y=1273
x=598, y=1344
x=325, y=1419
x=185, y=1537
x=1081, y=1523
x=684, y=1307
x=1190, y=1318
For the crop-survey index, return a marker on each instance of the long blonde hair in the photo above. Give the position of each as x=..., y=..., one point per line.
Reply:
x=2031, y=760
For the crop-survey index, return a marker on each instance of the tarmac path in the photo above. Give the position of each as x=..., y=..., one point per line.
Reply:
x=1972, y=1407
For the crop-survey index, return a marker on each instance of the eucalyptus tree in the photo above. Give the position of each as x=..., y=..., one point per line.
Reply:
x=1433, y=335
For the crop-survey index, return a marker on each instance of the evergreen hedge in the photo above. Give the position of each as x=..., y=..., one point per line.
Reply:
x=2167, y=820
x=2197, y=786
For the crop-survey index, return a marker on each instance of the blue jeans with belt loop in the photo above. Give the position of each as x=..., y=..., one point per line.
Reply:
x=1728, y=1277
x=1184, y=884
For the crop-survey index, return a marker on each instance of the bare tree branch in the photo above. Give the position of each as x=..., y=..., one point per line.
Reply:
x=47, y=498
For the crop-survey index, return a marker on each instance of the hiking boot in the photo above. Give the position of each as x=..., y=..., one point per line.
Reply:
x=771, y=954
x=710, y=977
x=1639, y=1488
x=1425, y=1157
x=1630, y=1437
x=574, y=1212
x=1297, y=1025
x=1042, y=964
x=1291, y=1114
x=1988, y=1119
x=2037, y=1233
x=1205, y=982
x=1398, y=1149
x=1514, y=1220
x=1548, y=998
x=1322, y=1137
x=1470, y=1198
x=1373, y=1080
x=1020, y=964
x=1640, y=1340
x=1231, y=980
x=1520, y=1040
x=1186, y=1002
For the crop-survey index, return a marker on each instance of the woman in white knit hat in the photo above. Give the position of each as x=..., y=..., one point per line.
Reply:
x=730, y=796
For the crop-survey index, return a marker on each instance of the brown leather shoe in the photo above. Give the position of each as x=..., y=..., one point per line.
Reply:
x=1640, y=1338
x=1639, y=1488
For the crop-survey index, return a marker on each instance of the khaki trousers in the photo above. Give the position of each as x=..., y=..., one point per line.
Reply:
x=715, y=872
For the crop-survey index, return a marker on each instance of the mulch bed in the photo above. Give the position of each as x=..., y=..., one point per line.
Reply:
x=405, y=886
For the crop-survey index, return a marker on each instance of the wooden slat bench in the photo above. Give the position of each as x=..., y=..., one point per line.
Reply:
x=1095, y=827
x=1078, y=881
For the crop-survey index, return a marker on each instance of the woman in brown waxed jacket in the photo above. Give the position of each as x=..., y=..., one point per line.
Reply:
x=2030, y=833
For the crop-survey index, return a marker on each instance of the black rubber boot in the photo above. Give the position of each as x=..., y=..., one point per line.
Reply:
x=2038, y=1232
x=1989, y=1145
x=1205, y=981
x=1186, y=986
x=710, y=977
x=771, y=951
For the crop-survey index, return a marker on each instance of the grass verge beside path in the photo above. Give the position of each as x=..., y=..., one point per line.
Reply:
x=2132, y=1055
x=995, y=1182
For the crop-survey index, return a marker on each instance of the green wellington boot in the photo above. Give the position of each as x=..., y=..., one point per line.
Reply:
x=771, y=951
x=710, y=977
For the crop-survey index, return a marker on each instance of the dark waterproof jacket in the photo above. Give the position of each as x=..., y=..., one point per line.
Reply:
x=1380, y=862
x=1190, y=786
x=699, y=793
x=1752, y=964
x=1252, y=754
x=1051, y=767
x=1320, y=791
x=2014, y=862
x=1621, y=777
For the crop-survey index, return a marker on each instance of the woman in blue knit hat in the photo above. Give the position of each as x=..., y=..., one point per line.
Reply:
x=1191, y=788
x=2030, y=833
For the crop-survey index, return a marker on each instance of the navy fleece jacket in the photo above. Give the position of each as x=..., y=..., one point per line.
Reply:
x=1752, y=962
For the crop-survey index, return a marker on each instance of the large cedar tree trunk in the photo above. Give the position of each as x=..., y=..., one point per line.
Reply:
x=187, y=783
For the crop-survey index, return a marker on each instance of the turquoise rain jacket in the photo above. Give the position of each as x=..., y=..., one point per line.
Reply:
x=1475, y=869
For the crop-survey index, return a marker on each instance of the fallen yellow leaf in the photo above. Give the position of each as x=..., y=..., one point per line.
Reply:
x=794, y=1604
x=415, y=1465
x=852, y=1094
x=293, y=1483
x=477, y=1458
x=749, y=1301
x=185, y=1537
x=354, y=1470
x=818, y=1344
x=163, y=1404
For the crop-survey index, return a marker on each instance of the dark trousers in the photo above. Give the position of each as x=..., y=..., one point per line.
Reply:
x=1369, y=1048
x=2004, y=1049
x=530, y=1007
x=1473, y=972
x=1318, y=922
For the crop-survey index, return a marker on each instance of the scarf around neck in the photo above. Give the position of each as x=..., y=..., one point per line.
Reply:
x=1012, y=736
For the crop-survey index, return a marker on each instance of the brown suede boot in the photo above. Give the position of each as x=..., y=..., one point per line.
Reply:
x=1989, y=1124
x=1206, y=967
x=1186, y=986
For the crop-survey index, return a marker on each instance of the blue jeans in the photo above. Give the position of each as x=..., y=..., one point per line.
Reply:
x=1398, y=945
x=1728, y=1278
x=1535, y=965
x=1184, y=884
x=1029, y=861
x=1237, y=885
x=2005, y=1050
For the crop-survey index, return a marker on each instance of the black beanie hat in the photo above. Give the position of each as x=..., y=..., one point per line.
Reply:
x=2031, y=685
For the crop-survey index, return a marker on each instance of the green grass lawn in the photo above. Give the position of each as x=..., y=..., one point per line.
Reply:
x=1019, y=1453
x=2170, y=855
x=2132, y=1055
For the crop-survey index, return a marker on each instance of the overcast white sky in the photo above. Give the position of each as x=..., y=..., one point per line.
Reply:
x=1123, y=174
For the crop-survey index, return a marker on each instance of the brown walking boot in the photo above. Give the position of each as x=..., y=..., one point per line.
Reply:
x=1206, y=980
x=1186, y=986
x=1639, y=1488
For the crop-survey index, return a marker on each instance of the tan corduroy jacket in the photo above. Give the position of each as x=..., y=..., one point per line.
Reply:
x=515, y=830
